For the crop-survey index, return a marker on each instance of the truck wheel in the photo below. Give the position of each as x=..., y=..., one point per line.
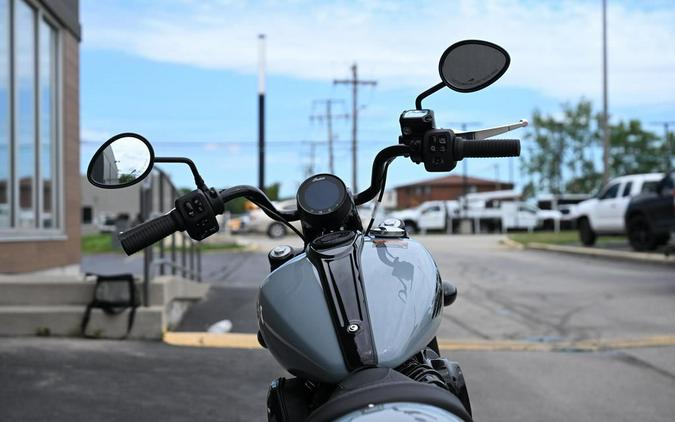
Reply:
x=663, y=239
x=410, y=226
x=276, y=230
x=586, y=233
x=640, y=235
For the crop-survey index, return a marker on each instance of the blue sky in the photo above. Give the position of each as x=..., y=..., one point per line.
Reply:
x=184, y=74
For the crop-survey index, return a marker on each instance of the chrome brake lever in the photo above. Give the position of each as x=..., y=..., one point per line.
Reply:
x=476, y=135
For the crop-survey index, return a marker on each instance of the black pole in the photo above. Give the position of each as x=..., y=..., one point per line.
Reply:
x=183, y=254
x=261, y=141
x=161, y=209
x=173, y=236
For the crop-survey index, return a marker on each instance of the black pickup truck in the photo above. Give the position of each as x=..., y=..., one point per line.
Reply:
x=650, y=216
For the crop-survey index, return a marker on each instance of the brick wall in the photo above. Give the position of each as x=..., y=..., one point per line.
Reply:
x=411, y=196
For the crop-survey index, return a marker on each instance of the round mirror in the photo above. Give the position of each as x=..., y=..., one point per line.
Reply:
x=472, y=65
x=123, y=160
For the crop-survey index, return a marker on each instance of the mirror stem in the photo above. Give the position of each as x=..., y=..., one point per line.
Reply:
x=198, y=179
x=425, y=94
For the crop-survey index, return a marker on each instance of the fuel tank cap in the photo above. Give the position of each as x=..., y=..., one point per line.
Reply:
x=388, y=231
x=333, y=239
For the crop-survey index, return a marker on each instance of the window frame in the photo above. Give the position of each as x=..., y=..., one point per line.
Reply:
x=38, y=232
x=608, y=188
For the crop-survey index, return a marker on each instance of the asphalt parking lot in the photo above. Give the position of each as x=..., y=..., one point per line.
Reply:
x=504, y=294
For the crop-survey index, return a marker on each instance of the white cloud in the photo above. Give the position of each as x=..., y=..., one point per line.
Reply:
x=555, y=47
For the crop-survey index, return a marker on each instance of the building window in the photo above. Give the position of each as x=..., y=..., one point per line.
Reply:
x=30, y=193
x=87, y=215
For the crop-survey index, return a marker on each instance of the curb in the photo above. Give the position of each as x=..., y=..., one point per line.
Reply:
x=507, y=241
x=603, y=253
x=595, y=252
x=250, y=341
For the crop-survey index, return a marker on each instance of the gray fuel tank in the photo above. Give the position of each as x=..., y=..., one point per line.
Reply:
x=404, y=302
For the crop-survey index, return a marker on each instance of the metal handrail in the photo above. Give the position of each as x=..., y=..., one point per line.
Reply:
x=187, y=268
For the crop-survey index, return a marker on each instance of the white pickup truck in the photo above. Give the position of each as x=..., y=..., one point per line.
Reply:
x=430, y=215
x=491, y=210
x=604, y=213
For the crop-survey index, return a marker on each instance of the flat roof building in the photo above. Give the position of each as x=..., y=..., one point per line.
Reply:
x=444, y=188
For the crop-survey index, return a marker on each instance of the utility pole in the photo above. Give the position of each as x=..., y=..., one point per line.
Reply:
x=605, y=118
x=261, y=112
x=354, y=82
x=309, y=170
x=498, y=184
x=465, y=166
x=666, y=140
x=328, y=116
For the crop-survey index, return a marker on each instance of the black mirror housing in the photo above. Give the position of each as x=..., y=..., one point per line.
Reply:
x=471, y=65
x=122, y=161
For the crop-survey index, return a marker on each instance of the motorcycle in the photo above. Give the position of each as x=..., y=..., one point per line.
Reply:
x=352, y=315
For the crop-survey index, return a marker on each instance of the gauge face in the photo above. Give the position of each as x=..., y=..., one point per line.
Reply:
x=321, y=194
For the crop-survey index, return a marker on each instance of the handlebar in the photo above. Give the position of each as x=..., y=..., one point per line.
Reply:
x=486, y=148
x=149, y=232
x=257, y=196
x=379, y=165
x=432, y=152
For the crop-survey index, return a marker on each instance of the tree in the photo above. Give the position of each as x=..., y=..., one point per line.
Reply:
x=561, y=146
x=634, y=150
x=272, y=191
x=565, y=153
x=239, y=205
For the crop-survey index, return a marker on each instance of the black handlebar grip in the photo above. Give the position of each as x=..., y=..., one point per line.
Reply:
x=147, y=233
x=488, y=148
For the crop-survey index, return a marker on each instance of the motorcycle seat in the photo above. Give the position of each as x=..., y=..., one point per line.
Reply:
x=384, y=385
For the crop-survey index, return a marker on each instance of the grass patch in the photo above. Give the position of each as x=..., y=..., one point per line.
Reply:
x=102, y=243
x=565, y=237
x=233, y=247
x=97, y=243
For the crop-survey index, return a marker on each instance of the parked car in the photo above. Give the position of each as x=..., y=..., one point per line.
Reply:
x=562, y=203
x=650, y=216
x=604, y=213
x=256, y=221
x=366, y=212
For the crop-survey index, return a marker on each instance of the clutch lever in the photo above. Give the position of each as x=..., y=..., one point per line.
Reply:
x=477, y=135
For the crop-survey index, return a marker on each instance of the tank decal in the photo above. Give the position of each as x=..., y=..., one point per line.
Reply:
x=340, y=272
x=404, y=298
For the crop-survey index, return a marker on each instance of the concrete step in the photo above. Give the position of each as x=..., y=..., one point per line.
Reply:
x=38, y=291
x=149, y=322
x=38, y=305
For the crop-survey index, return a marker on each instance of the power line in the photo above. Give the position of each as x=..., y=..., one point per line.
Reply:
x=328, y=117
x=355, y=82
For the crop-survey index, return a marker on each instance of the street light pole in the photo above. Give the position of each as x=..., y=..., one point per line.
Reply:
x=261, y=112
x=605, y=118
